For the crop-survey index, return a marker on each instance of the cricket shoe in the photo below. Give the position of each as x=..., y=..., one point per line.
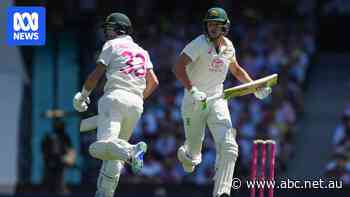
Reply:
x=187, y=162
x=137, y=158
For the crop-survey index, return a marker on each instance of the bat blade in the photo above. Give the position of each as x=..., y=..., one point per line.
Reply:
x=88, y=124
x=250, y=87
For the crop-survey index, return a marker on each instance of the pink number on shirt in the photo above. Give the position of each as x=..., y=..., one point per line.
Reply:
x=138, y=69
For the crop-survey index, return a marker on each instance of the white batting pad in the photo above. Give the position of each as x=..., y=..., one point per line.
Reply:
x=108, y=178
x=228, y=151
x=109, y=150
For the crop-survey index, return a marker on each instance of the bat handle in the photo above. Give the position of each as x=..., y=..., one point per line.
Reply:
x=204, y=104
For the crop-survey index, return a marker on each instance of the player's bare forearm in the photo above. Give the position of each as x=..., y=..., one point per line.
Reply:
x=239, y=72
x=94, y=77
x=242, y=75
x=151, y=83
x=180, y=71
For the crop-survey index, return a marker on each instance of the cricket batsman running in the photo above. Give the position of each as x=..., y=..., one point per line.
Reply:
x=202, y=68
x=130, y=80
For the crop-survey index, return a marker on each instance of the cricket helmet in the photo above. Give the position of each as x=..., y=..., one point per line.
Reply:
x=218, y=15
x=117, y=23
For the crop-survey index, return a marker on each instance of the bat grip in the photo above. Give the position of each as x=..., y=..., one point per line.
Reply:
x=204, y=104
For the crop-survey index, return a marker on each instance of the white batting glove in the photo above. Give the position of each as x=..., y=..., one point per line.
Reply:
x=198, y=95
x=80, y=102
x=263, y=93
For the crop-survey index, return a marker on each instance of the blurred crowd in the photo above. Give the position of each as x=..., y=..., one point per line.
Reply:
x=339, y=166
x=262, y=48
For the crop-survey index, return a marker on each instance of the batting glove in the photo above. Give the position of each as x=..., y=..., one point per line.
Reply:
x=198, y=95
x=263, y=93
x=80, y=102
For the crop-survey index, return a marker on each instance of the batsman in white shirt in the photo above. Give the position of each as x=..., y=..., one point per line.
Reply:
x=202, y=68
x=130, y=80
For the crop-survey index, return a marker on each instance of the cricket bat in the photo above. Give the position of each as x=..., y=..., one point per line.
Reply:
x=88, y=124
x=251, y=87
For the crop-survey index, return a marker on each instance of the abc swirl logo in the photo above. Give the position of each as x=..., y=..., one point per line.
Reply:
x=26, y=26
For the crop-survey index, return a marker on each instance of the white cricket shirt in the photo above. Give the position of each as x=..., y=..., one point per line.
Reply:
x=208, y=69
x=126, y=65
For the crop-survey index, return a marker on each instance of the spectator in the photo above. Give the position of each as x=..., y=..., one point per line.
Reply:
x=342, y=133
x=58, y=155
x=339, y=168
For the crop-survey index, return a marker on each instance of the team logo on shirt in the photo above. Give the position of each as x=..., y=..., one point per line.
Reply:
x=217, y=65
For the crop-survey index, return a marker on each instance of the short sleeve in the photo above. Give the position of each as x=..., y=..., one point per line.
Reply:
x=233, y=51
x=106, y=54
x=149, y=64
x=193, y=49
x=230, y=47
x=230, y=50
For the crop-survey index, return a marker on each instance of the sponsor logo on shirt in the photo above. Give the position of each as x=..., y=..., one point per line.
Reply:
x=217, y=65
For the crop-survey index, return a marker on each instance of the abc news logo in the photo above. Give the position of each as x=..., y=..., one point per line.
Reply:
x=29, y=29
x=26, y=25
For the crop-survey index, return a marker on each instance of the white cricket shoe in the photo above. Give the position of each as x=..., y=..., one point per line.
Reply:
x=187, y=163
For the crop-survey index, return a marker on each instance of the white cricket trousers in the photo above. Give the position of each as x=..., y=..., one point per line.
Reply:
x=218, y=119
x=118, y=113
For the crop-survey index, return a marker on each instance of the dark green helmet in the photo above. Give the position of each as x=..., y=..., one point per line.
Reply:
x=216, y=14
x=119, y=23
x=219, y=15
